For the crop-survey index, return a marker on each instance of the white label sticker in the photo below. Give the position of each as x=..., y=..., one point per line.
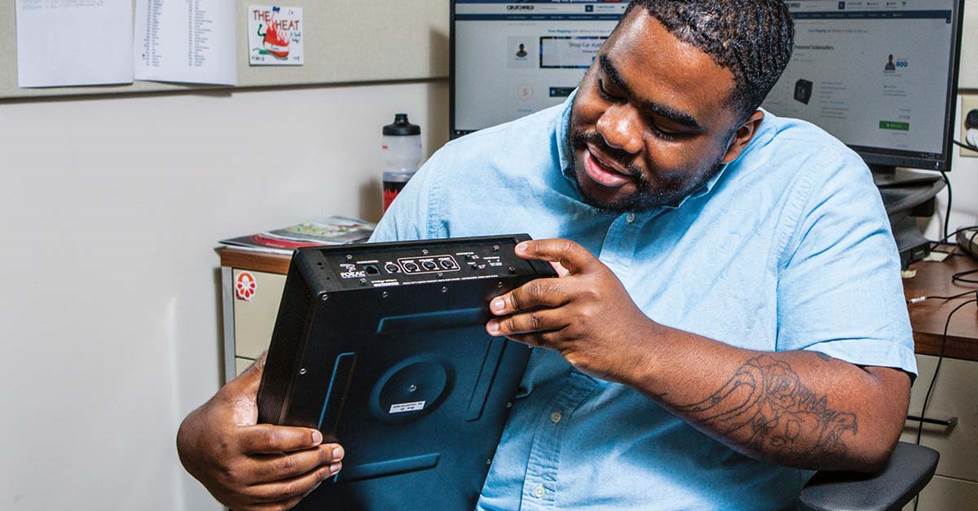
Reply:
x=407, y=407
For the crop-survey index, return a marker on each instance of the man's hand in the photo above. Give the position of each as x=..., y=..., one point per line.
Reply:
x=808, y=417
x=585, y=314
x=249, y=466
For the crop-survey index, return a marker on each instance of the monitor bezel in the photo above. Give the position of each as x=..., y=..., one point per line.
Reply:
x=452, y=132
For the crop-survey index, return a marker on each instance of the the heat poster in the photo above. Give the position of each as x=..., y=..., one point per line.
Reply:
x=275, y=35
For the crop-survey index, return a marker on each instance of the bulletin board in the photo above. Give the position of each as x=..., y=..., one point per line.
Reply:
x=349, y=41
x=346, y=41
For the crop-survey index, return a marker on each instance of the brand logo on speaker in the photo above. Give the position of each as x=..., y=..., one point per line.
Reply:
x=352, y=272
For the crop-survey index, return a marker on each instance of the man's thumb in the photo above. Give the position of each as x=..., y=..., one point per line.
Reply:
x=250, y=379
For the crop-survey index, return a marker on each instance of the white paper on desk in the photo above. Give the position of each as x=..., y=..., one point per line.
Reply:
x=189, y=41
x=73, y=42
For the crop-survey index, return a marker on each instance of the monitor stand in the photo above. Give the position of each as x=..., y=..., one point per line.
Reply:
x=886, y=176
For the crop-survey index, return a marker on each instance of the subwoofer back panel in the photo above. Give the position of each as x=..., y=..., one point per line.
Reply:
x=383, y=348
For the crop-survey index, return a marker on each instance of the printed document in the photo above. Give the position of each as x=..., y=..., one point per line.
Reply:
x=188, y=41
x=73, y=42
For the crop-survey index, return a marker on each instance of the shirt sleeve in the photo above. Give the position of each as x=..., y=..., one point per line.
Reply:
x=839, y=288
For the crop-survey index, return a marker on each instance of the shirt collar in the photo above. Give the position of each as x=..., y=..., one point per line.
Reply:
x=565, y=155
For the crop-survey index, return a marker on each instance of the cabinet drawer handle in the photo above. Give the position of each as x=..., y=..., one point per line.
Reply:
x=948, y=422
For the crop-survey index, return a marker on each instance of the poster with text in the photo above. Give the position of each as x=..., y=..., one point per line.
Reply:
x=275, y=35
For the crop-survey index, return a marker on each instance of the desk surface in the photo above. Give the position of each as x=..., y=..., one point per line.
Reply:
x=927, y=318
x=254, y=261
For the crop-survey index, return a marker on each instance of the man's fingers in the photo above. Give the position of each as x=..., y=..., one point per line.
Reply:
x=537, y=321
x=559, y=268
x=543, y=339
x=270, y=439
x=548, y=293
x=294, y=488
x=277, y=467
x=570, y=255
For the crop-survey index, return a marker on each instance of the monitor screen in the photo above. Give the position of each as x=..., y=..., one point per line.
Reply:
x=880, y=76
x=512, y=59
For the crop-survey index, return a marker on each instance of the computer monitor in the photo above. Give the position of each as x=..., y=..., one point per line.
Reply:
x=513, y=59
x=881, y=76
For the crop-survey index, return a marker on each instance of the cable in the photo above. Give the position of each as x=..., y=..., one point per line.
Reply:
x=937, y=370
x=918, y=299
x=965, y=145
x=953, y=234
x=959, y=278
x=947, y=215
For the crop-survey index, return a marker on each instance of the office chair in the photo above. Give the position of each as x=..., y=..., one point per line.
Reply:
x=910, y=469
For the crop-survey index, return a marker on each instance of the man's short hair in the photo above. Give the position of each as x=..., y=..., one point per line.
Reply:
x=751, y=38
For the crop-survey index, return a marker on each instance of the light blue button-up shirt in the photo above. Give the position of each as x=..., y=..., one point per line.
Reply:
x=788, y=249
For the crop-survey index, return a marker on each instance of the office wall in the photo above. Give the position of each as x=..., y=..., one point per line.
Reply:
x=405, y=39
x=109, y=213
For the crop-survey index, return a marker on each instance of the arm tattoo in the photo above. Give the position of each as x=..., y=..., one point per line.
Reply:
x=781, y=417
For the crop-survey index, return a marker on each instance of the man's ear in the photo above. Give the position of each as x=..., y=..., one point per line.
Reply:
x=743, y=136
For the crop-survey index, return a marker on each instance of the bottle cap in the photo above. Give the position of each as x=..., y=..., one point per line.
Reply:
x=402, y=127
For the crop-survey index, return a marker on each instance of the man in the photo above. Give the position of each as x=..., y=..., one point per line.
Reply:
x=729, y=315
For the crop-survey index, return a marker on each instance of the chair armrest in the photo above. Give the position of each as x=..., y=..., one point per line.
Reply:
x=909, y=469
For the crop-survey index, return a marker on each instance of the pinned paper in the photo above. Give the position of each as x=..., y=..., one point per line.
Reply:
x=190, y=41
x=275, y=35
x=73, y=42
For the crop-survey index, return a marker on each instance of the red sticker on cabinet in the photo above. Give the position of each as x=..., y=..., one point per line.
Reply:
x=245, y=286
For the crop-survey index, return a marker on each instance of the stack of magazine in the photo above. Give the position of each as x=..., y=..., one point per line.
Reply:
x=334, y=230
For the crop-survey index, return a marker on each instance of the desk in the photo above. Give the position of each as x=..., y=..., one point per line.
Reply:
x=257, y=261
x=927, y=318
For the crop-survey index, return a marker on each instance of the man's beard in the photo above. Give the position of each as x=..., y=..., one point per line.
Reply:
x=667, y=190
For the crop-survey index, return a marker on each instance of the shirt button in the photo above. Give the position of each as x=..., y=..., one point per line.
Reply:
x=630, y=217
x=555, y=417
x=539, y=491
